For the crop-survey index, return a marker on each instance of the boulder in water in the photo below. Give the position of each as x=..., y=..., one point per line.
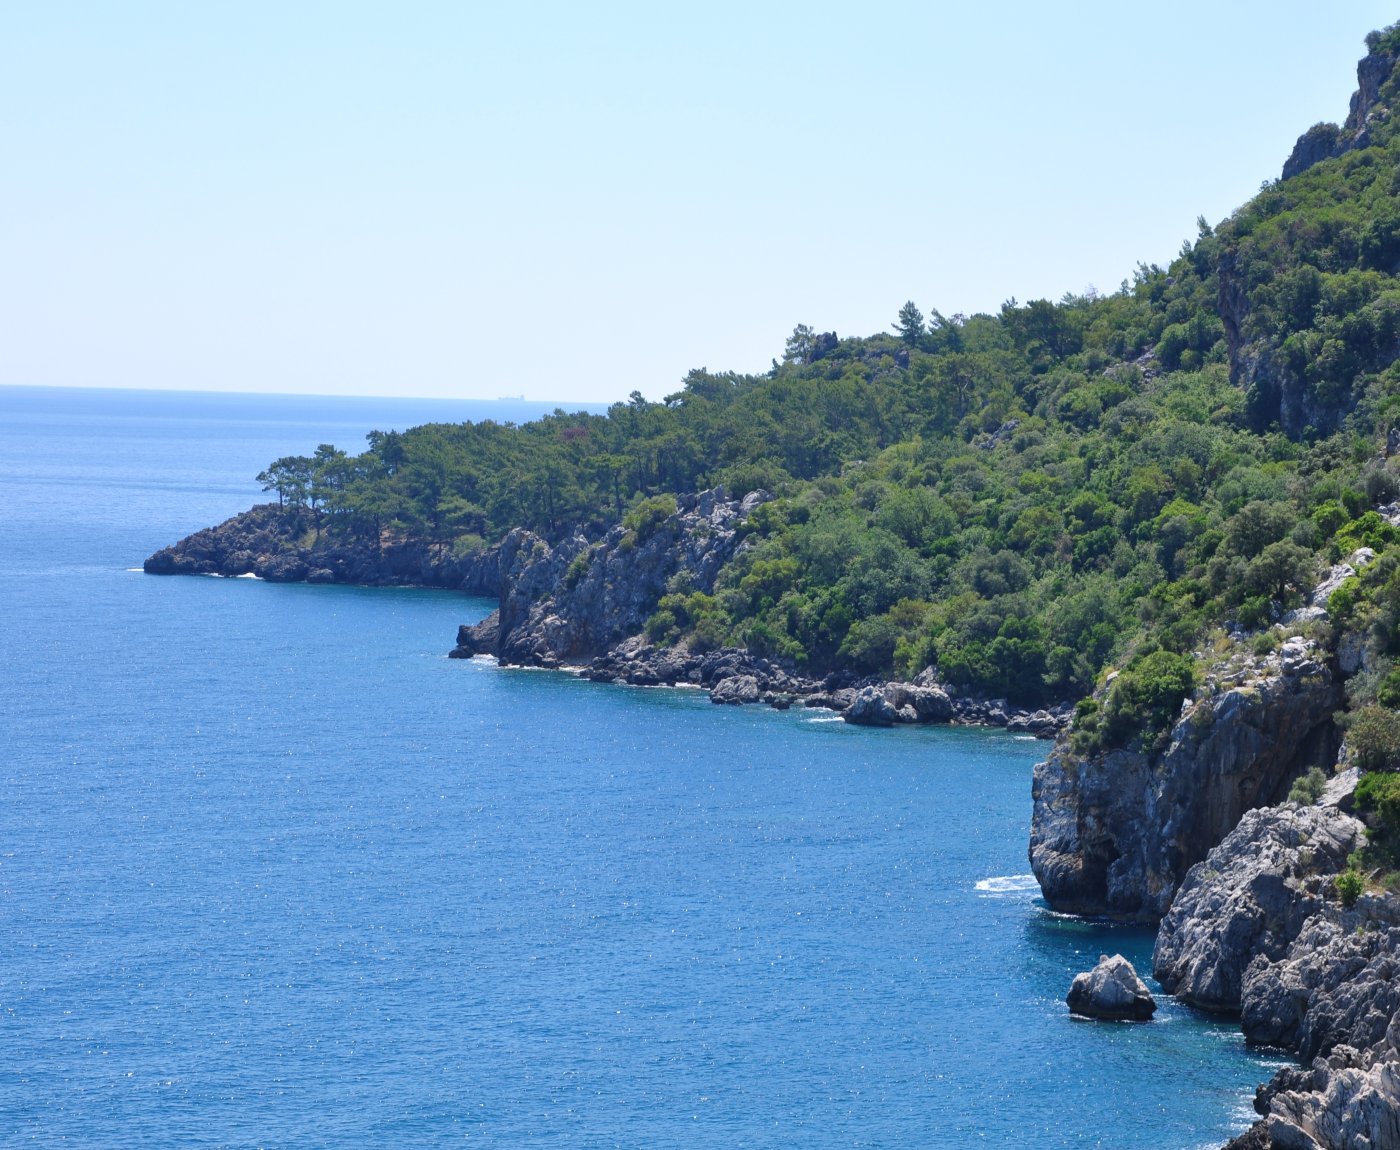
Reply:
x=1111, y=991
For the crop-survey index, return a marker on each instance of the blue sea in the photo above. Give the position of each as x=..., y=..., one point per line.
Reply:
x=274, y=872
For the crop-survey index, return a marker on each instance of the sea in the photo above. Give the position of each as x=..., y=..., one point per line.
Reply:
x=275, y=872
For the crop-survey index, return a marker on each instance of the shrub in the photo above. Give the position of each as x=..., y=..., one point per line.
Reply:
x=1388, y=694
x=1254, y=613
x=1373, y=734
x=1379, y=792
x=1308, y=789
x=1350, y=884
x=1141, y=705
x=467, y=545
x=644, y=519
x=578, y=568
x=661, y=626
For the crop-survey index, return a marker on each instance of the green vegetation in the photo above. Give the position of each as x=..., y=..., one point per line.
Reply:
x=1023, y=499
x=1141, y=703
x=1309, y=788
x=1378, y=797
x=1350, y=884
x=1373, y=734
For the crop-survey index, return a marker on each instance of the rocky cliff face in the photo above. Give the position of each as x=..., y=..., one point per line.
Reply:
x=1114, y=834
x=1258, y=928
x=283, y=545
x=573, y=601
x=1326, y=141
x=1249, y=899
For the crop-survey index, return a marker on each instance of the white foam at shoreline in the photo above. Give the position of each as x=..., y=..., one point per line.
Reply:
x=1008, y=884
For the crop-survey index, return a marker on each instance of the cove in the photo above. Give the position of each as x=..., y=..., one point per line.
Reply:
x=274, y=872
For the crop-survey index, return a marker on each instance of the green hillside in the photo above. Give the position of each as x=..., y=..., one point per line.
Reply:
x=1020, y=499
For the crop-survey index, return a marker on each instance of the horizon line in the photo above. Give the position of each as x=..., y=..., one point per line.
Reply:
x=561, y=404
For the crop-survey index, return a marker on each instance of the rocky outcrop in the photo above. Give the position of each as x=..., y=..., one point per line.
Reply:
x=573, y=600
x=736, y=689
x=1345, y=1099
x=1338, y=984
x=1327, y=141
x=285, y=545
x=1249, y=900
x=1352, y=1102
x=1115, y=833
x=1258, y=927
x=1111, y=991
x=870, y=708
x=1320, y=142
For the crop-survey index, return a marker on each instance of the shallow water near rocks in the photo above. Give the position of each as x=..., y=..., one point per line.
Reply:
x=275, y=872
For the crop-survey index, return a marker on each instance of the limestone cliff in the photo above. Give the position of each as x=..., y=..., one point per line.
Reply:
x=1259, y=928
x=1250, y=899
x=572, y=601
x=1115, y=833
x=1327, y=141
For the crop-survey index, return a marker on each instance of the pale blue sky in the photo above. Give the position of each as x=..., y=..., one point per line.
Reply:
x=574, y=201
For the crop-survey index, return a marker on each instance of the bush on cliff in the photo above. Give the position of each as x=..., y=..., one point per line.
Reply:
x=1308, y=789
x=1140, y=707
x=1373, y=736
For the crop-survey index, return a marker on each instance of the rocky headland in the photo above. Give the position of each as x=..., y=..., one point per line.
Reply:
x=289, y=545
x=1114, y=833
x=582, y=604
x=1195, y=835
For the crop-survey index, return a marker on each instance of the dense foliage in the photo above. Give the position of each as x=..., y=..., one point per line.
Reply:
x=1020, y=499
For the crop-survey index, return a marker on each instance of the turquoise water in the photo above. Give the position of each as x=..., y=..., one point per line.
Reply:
x=274, y=872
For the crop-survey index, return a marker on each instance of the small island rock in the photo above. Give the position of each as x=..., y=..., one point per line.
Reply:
x=1113, y=991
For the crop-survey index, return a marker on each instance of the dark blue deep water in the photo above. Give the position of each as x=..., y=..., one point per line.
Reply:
x=274, y=872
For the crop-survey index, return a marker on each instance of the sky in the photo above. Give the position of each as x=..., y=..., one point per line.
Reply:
x=571, y=202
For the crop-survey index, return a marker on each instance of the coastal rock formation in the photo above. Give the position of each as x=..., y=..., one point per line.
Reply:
x=284, y=545
x=573, y=600
x=1111, y=991
x=870, y=708
x=1345, y=1100
x=1338, y=984
x=1353, y=1103
x=1248, y=900
x=736, y=689
x=1115, y=833
x=1258, y=927
x=577, y=602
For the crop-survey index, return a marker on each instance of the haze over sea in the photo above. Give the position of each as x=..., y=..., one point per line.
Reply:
x=275, y=872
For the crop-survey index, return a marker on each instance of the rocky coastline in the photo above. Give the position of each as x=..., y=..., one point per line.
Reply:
x=582, y=605
x=1259, y=930
x=1114, y=833
x=1189, y=834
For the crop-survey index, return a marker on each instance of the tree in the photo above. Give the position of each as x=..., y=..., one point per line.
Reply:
x=798, y=348
x=909, y=324
x=290, y=477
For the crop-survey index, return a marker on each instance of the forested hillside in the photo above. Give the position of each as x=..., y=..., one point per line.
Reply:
x=1019, y=499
